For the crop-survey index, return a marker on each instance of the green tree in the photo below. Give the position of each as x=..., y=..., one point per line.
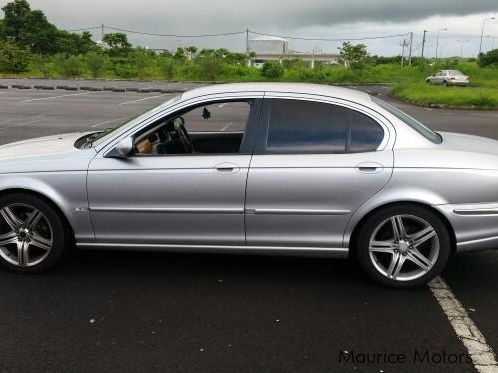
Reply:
x=14, y=20
x=191, y=51
x=95, y=62
x=13, y=59
x=28, y=28
x=353, y=56
x=272, y=70
x=118, y=44
x=179, y=54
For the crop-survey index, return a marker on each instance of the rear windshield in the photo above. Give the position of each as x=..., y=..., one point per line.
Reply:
x=412, y=122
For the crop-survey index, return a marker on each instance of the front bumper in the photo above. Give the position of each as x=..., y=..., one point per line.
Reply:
x=475, y=225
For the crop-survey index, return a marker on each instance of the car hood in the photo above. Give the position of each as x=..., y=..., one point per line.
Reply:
x=40, y=147
x=468, y=143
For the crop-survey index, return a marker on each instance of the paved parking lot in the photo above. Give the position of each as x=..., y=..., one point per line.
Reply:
x=113, y=311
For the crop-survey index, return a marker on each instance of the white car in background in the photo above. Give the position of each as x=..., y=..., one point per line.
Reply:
x=448, y=77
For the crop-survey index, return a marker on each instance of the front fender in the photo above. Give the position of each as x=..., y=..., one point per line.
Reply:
x=67, y=190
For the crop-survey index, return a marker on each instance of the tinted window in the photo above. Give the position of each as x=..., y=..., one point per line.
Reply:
x=366, y=134
x=305, y=126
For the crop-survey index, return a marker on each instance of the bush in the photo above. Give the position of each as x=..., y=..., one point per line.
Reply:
x=272, y=70
x=95, y=63
x=13, y=59
x=488, y=59
x=168, y=68
x=124, y=68
x=69, y=67
x=209, y=67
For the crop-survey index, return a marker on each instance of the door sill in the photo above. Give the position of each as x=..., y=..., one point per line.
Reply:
x=333, y=252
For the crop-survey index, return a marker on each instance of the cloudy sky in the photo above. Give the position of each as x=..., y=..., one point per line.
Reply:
x=312, y=18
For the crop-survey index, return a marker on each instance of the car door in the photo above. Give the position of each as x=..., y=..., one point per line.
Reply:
x=315, y=163
x=178, y=199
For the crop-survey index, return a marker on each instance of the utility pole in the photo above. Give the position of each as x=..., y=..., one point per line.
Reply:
x=410, y=52
x=247, y=41
x=403, y=51
x=482, y=33
x=249, y=62
x=423, y=44
x=103, y=33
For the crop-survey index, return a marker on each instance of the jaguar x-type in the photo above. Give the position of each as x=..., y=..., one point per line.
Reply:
x=294, y=169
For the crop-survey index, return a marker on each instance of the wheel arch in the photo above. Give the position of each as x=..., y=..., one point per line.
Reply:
x=57, y=208
x=354, y=234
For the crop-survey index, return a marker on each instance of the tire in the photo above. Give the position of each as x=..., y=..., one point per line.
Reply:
x=426, y=240
x=428, y=82
x=445, y=83
x=33, y=236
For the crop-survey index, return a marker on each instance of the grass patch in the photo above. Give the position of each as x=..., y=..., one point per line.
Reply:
x=422, y=93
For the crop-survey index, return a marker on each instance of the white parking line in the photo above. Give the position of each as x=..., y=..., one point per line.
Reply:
x=53, y=97
x=22, y=123
x=226, y=127
x=482, y=354
x=108, y=121
x=222, y=105
x=143, y=99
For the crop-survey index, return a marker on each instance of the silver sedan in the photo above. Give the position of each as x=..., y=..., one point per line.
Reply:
x=294, y=169
x=448, y=78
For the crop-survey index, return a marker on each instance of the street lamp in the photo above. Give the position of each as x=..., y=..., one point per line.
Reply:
x=437, y=38
x=461, y=46
x=492, y=41
x=482, y=33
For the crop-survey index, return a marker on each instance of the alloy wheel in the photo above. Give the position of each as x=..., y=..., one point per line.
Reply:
x=26, y=235
x=404, y=247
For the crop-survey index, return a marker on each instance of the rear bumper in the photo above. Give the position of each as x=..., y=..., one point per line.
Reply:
x=475, y=225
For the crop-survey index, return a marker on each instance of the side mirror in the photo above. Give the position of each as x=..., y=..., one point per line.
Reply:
x=125, y=147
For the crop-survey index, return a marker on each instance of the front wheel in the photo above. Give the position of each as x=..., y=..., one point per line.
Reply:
x=32, y=234
x=403, y=246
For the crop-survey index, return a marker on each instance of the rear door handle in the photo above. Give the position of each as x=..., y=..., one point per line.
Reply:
x=369, y=167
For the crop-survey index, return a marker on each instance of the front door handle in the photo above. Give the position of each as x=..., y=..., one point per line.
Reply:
x=226, y=168
x=369, y=167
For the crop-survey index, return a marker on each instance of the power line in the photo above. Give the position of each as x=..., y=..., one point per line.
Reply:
x=174, y=35
x=326, y=39
x=240, y=33
x=83, y=29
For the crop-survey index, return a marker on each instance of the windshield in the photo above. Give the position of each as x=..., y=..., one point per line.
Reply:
x=103, y=136
x=412, y=122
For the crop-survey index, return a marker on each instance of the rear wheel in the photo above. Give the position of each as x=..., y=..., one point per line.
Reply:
x=403, y=246
x=445, y=83
x=32, y=234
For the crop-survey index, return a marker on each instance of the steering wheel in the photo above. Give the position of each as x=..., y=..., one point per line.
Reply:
x=183, y=136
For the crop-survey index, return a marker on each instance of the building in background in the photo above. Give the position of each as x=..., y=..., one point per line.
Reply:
x=273, y=48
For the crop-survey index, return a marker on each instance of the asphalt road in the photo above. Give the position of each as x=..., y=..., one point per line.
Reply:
x=136, y=312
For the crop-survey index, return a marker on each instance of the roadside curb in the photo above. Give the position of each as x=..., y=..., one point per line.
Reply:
x=443, y=106
x=91, y=88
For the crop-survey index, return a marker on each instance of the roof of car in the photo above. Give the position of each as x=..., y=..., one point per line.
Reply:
x=306, y=88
